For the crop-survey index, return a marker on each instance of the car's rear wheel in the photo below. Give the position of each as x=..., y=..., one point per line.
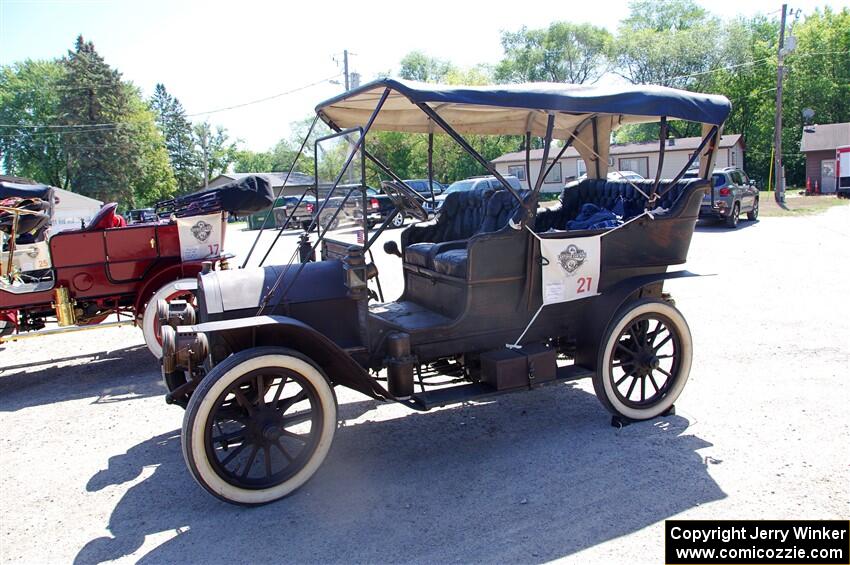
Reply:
x=753, y=214
x=644, y=361
x=150, y=322
x=259, y=425
x=398, y=220
x=732, y=219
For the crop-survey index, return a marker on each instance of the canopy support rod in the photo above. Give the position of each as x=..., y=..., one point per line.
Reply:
x=360, y=143
x=712, y=136
x=431, y=168
x=468, y=148
x=528, y=158
x=547, y=144
x=557, y=158
x=567, y=144
x=271, y=210
x=662, y=134
x=385, y=169
x=595, y=146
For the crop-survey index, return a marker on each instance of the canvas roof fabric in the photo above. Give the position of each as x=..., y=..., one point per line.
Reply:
x=680, y=144
x=513, y=109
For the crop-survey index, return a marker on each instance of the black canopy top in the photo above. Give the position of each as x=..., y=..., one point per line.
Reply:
x=517, y=108
x=42, y=191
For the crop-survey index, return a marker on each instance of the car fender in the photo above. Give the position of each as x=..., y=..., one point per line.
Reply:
x=243, y=333
x=161, y=277
x=607, y=305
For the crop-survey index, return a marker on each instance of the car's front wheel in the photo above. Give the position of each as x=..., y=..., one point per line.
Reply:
x=259, y=425
x=644, y=361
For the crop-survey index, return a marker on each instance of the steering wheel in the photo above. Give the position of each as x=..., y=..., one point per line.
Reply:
x=405, y=199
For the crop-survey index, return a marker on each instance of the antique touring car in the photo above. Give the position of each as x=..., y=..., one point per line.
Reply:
x=498, y=294
x=78, y=278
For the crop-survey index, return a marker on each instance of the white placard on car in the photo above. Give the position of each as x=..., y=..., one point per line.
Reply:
x=200, y=236
x=28, y=257
x=571, y=268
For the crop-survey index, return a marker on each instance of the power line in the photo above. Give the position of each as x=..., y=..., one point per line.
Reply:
x=757, y=62
x=266, y=99
x=109, y=126
x=21, y=126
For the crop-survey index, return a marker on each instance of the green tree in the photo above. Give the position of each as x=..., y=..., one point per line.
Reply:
x=246, y=161
x=214, y=149
x=115, y=151
x=563, y=52
x=667, y=42
x=29, y=100
x=818, y=77
x=177, y=132
x=418, y=66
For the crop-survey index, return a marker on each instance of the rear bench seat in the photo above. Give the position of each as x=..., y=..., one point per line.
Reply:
x=605, y=193
x=463, y=215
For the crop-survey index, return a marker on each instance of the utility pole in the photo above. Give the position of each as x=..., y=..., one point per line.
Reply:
x=777, y=132
x=205, y=149
x=345, y=59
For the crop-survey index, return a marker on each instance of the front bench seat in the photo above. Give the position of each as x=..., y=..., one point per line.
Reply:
x=460, y=218
x=502, y=206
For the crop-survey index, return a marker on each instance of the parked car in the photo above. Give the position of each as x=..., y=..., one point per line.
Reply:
x=614, y=175
x=381, y=206
x=471, y=184
x=141, y=216
x=422, y=187
x=303, y=212
x=732, y=193
x=78, y=278
x=259, y=370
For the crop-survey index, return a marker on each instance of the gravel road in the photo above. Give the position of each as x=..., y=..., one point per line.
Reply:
x=92, y=469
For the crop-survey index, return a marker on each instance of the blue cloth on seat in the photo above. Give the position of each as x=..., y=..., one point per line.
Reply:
x=593, y=217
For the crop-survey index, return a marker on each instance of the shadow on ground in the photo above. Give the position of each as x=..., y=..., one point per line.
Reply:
x=107, y=376
x=720, y=226
x=526, y=478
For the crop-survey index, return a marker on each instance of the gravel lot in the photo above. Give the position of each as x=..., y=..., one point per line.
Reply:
x=92, y=468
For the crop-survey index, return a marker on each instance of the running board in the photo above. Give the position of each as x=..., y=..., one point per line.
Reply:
x=472, y=391
x=64, y=330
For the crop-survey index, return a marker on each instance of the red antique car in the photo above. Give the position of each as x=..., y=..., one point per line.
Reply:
x=76, y=279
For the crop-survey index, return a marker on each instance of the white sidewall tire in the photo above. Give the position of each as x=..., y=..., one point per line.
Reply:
x=203, y=401
x=611, y=401
x=149, y=315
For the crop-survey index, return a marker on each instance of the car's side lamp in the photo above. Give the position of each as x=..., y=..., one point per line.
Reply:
x=391, y=248
x=354, y=265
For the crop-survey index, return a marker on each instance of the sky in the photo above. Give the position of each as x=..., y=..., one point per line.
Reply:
x=214, y=55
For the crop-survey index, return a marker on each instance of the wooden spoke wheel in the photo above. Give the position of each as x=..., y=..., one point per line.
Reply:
x=259, y=425
x=644, y=361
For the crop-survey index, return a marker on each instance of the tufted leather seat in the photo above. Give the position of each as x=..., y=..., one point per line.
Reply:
x=452, y=260
x=460, y=218
x=605, y=193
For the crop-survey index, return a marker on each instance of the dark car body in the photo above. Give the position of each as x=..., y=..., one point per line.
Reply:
x=499, y=295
